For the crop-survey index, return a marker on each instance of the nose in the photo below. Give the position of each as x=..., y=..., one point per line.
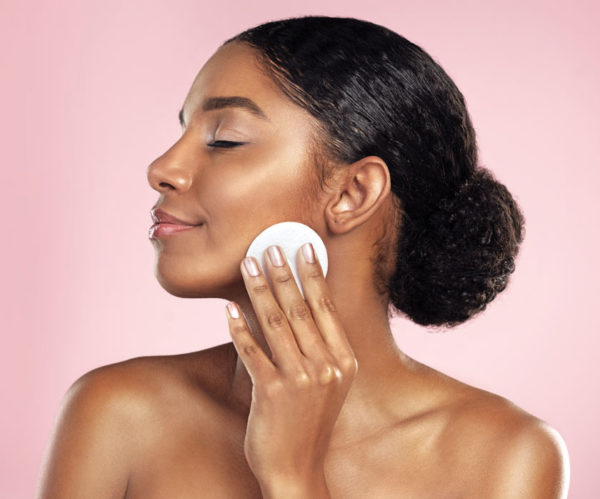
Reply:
x=170, y=172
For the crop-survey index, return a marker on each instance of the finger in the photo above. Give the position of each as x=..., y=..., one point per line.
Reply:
x=294, y=306
x=324, y=312
x=257, y=363
x=274, y=324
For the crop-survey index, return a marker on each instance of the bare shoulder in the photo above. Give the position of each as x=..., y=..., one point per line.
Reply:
x=519, y=454
x=144, y=388
x=113, y=415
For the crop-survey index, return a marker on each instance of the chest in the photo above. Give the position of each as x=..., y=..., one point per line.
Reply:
x=214, y=466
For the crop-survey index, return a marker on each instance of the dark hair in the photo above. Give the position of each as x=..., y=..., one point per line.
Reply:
x=455, y=230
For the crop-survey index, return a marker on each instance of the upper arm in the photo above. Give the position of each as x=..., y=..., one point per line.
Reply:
x=92, y=445
x=532, y=463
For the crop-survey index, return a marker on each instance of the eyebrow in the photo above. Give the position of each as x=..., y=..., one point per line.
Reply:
x=232, y=101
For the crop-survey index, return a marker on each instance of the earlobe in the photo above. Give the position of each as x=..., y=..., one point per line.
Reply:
x=359, y=196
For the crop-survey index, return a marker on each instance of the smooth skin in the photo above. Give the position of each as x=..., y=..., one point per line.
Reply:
x=299, y=392
x=176, y=426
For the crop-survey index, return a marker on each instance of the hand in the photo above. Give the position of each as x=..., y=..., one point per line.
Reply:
x=298, y=394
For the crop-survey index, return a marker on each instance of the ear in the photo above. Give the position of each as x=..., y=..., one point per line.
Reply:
x=364, y=187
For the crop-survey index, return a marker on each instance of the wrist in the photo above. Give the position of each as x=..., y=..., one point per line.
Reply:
x=314, y=488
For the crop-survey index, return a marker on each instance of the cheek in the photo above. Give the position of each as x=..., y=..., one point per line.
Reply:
x=262, y=186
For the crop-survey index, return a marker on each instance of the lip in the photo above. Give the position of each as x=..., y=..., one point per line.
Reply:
x=160, y=216
x=165, y=229
x=166, y=224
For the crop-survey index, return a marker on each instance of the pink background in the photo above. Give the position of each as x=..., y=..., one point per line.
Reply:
x=89, y=96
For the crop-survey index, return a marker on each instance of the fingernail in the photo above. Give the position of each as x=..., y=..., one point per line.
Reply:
x=233, y=310
x=276, y=256
x=308, y=253
x=251, y=266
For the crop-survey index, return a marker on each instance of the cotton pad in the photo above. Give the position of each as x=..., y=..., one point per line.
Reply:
x=289, y=236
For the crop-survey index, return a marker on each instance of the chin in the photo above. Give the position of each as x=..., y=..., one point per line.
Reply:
x=178, y=290
x=187, y=284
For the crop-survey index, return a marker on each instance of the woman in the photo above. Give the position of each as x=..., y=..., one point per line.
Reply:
x=351, y=129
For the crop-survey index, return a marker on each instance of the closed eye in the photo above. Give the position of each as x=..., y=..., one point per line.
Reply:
x=225, y=143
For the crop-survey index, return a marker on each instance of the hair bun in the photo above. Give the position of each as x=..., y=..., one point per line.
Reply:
x=480, y=193
x=455, y=262
x=374, y=92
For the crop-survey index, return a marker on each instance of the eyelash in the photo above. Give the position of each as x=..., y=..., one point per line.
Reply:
x=231, y=144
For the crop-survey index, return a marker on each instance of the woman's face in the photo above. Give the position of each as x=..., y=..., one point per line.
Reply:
x=235, y=192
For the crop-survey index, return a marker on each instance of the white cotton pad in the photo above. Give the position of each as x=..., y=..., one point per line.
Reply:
x=289, y=236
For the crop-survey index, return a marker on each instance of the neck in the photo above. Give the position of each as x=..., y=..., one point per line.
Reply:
x=381, y=364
